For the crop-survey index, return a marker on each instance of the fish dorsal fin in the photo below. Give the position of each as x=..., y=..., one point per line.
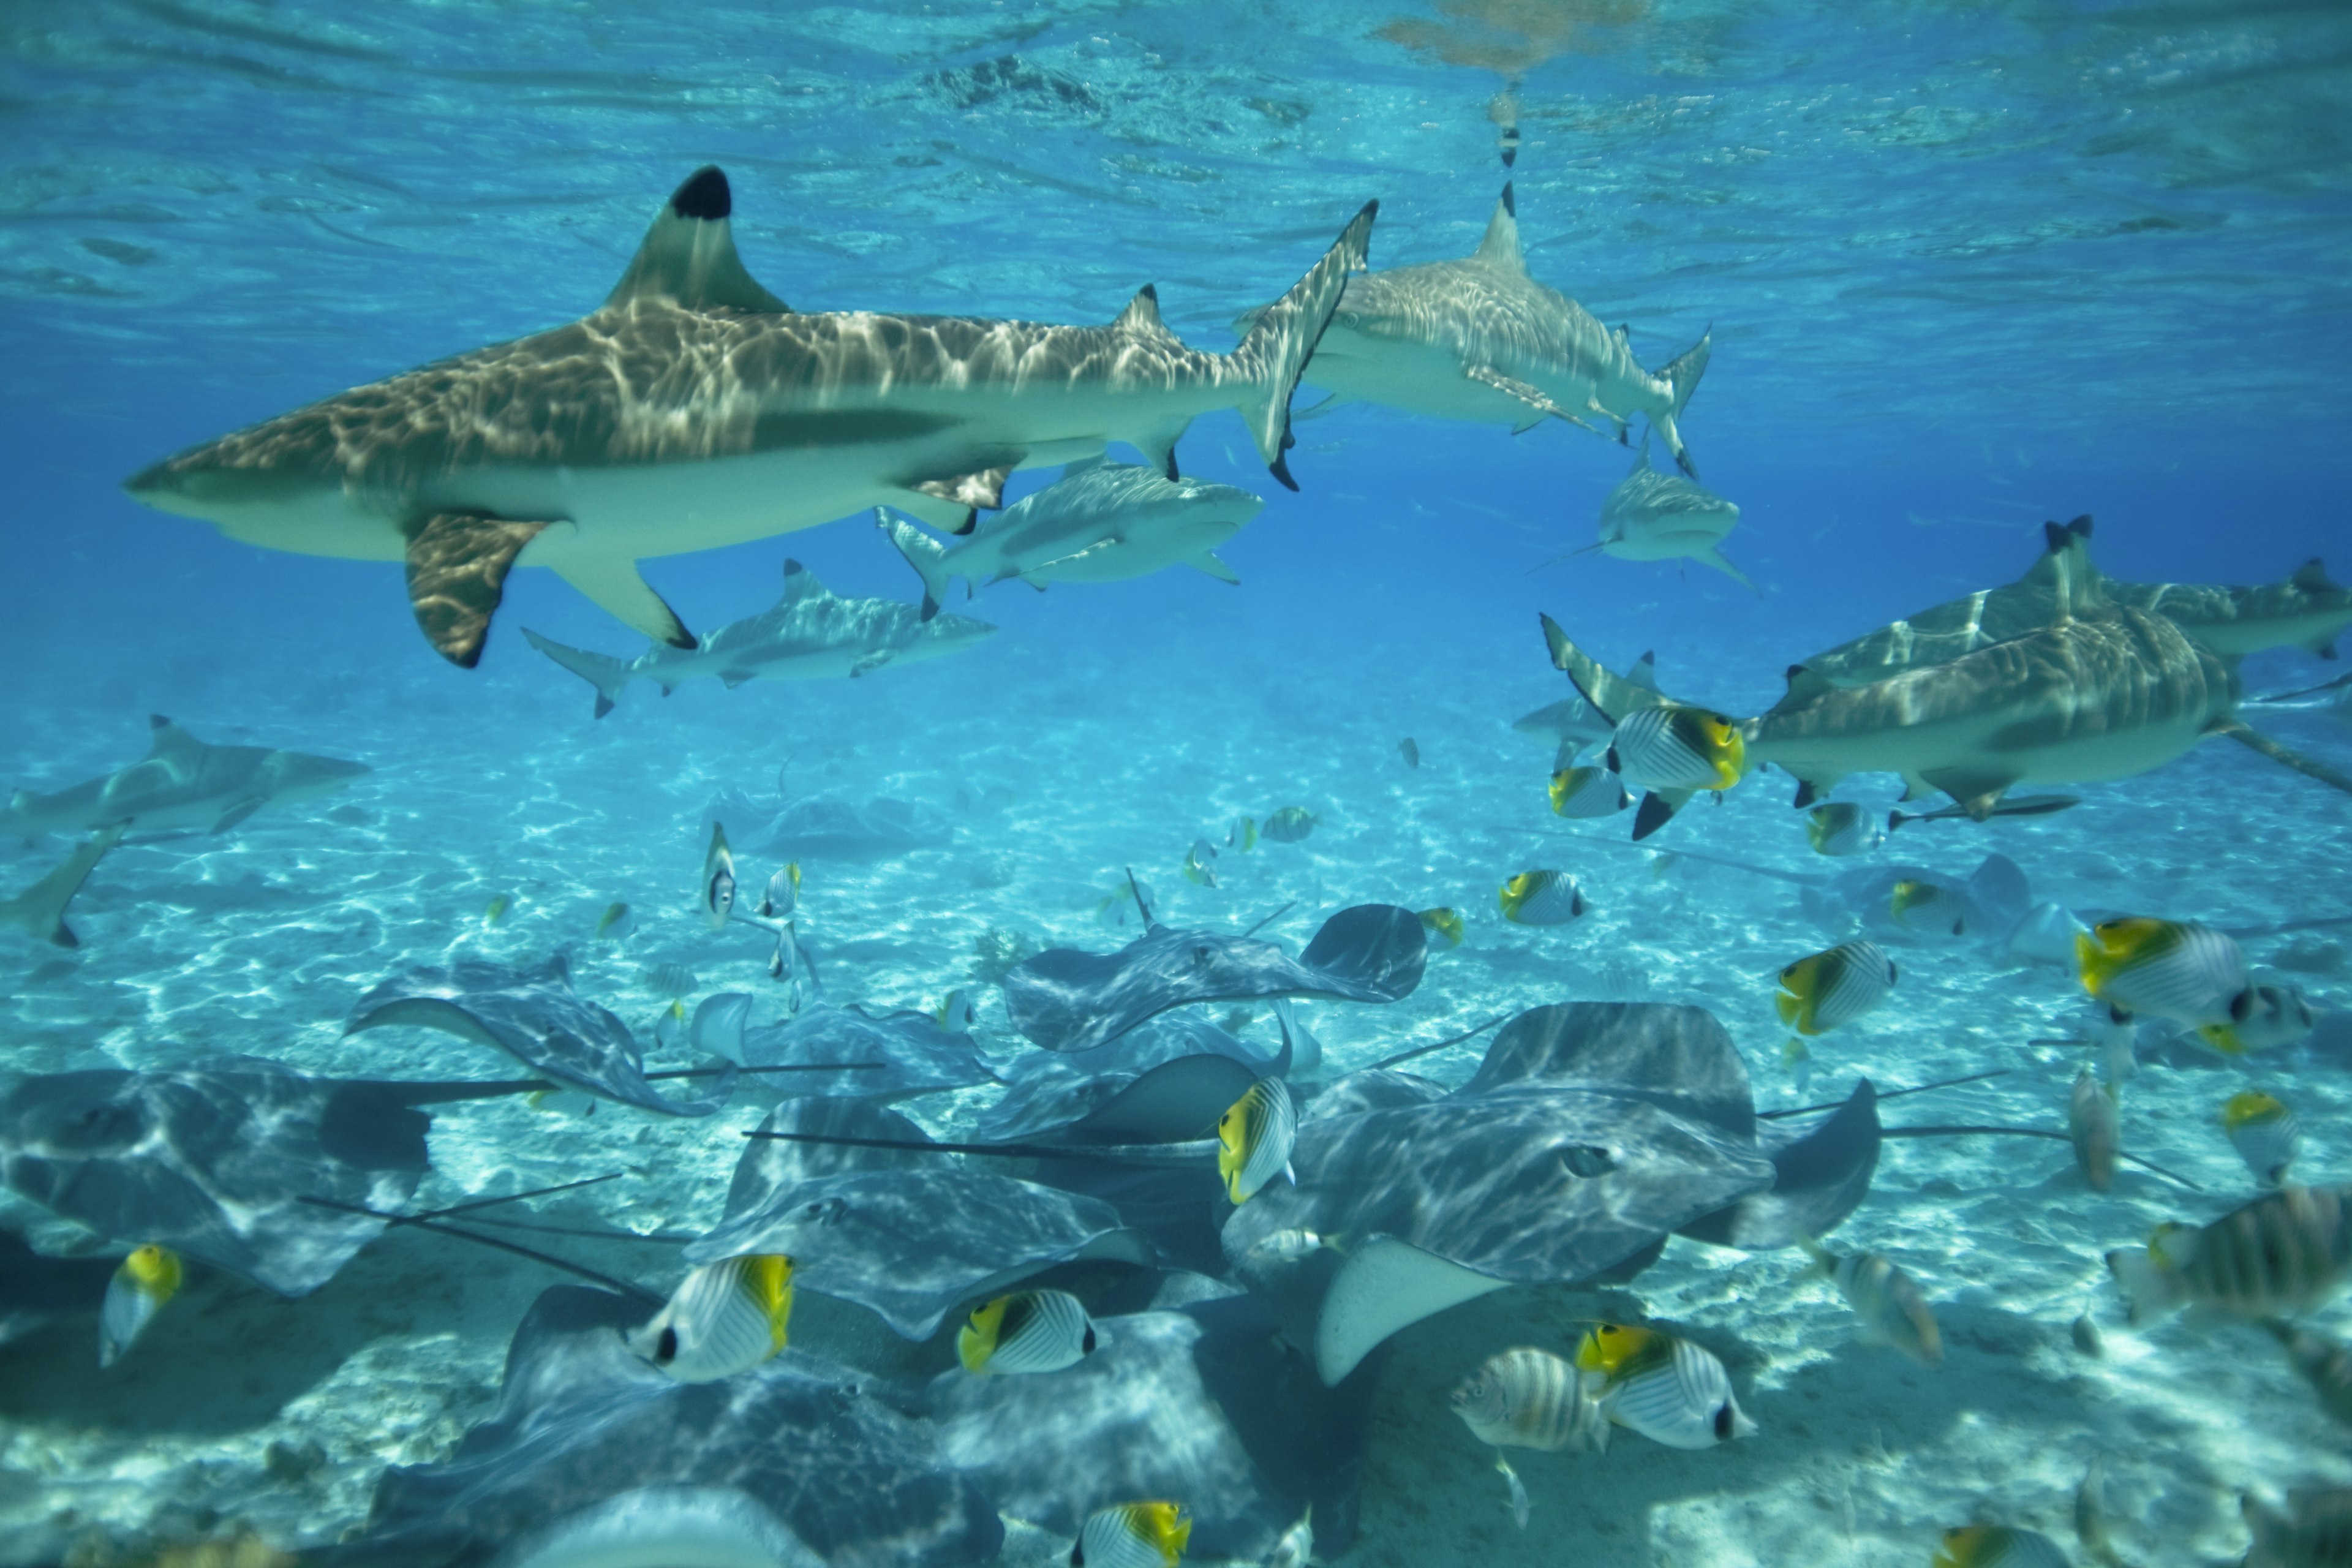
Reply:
x=1142, y=312
x=800, y=583
x=1806, y=685
x=1645, y=673
x=2312, y=578
x=170, y=741
x=1501, y=245
x=689, y=255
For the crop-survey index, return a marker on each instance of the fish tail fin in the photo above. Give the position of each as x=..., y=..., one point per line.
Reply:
x=2143, y=1279
x=606, y=674
x=927, y=555
x=41, y=908
x=1282, y=338
x=2254, y=739
x=1682, y=373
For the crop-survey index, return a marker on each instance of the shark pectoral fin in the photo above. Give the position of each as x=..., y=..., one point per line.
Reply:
x=1160, y=447
x=2254, y=739
x=932, y=511
x=978, y=488
x=239, y=811
x=41, y=908
x=1318, y=409
x=1976, y=792
x=1207, y=562
x=1714, y=557
x=731, y=678
x=871, y=662
x=616, y=588
x=1268, y=361
x=457, y=566
x=1487, y=375
x=1915, y=787
x=1658, y=808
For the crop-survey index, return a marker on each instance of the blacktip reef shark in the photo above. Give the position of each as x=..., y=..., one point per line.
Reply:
x=694, y=409
x=1570, y=727
x=40, y=910
x=1652, y=516
x=2103, y=695
x=1099, y=522
x=810, y=633
x=182, y=784
x=1479, y=339
x=2305, y=611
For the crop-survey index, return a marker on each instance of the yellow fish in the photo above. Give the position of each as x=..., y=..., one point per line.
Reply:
x=142, y=1287
x=726, y=1316
x=1255, y=1137
x=498, y=909
x=2189, y=974
x=1832, y=987
x=1133, y=1535
x=1991, y=1546
x=1443, y=925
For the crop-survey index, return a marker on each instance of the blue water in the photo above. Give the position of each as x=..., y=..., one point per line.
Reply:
x=1967, y=269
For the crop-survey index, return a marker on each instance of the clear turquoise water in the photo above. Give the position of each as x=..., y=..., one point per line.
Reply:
x=1969, y=267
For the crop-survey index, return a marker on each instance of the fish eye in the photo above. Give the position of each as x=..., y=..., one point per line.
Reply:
x=665, y=1348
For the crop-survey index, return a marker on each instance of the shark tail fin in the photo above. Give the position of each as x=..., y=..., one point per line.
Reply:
x=1611, y=696
x=927, y=555
x=1682, y=373
x=1282, y=338
x=41, y=908
x=606, y=674
x=2254, y=739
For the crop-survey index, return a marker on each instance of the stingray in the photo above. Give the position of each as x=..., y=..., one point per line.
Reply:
x=909, y=1246
x=1200, y=1405
x=1819, y=1177
x=1069, y=1000
x=823, y=827
x=1166, y=1080
x=534, y=1017
x=1588, y=1133
x=218, y=1162
x=587, y=1437
x=36, y=1291
x=913, y=1053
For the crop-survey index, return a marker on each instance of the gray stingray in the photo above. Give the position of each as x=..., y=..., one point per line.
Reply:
x=2307, y=610
x=181, y=784
x=1590, y=1132
x=694, y=410
x=1166, y=1080
x=36, y=1291
x=910, y=1245
x=810, y=633
x=535, y=1017
x=1069, y=1000
x=824, y=828
x=916, y=1056
x=216, y=1161
x=1201, y=1405
x=1820, y=1175
x=796, y=1445
x=1479, y=339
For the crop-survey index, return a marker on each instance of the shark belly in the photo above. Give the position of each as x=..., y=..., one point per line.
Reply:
x=1407, y=375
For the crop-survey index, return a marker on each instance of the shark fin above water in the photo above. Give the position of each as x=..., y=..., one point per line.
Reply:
x=688, y=256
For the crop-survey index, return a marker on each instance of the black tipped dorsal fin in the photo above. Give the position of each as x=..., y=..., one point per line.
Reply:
x=688, y=254
x=800, y=583
x=168, y=740
x=1806, y=685
x=2312, y=578
x=1500, y=248
x=1142, y=312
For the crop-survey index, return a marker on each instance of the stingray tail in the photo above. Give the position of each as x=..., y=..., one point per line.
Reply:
x=1682, y=373
x=41, y=908
x=927, y=555
x=1272, y=358
x=2255, y=739
x=606, y=674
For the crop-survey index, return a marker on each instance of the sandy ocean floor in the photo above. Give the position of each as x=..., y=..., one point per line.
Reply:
x=241, y=1412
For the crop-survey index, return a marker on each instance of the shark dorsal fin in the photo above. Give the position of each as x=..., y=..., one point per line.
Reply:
x=1645, y=673
x=1501, y=245
x=689, y=255
x=1806, y=685
x=2312, y=578
x=800, y=583
x=2065, y=567
x=169, y=740
x=1142, y=312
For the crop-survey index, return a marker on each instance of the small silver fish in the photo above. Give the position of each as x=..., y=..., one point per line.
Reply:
x=2260, y=1018
x=1201, y=864
x=1926, y=910
x=1530, y=1398
x=1841, y=828
x=2093, y=1123
x=1587, y=793
x=783, y=894
x=1893, y=1309
x=1408, y=751
x=957, y=1014
x=718, y=897
x=1288, y=825
x=1542, y=898
x=1293, y=1246
x=2264, y=1133
x=1296, y=1548
x=617, y=922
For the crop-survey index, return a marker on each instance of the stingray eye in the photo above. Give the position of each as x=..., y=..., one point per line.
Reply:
x=665, y=1348
x=1201, y=955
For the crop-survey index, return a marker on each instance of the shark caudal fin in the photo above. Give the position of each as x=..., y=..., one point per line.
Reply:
x=1282, y=338
x=606, y=674
x=41, y=908
x=1611, y=696
x=1682, y=373
x=927, y=555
